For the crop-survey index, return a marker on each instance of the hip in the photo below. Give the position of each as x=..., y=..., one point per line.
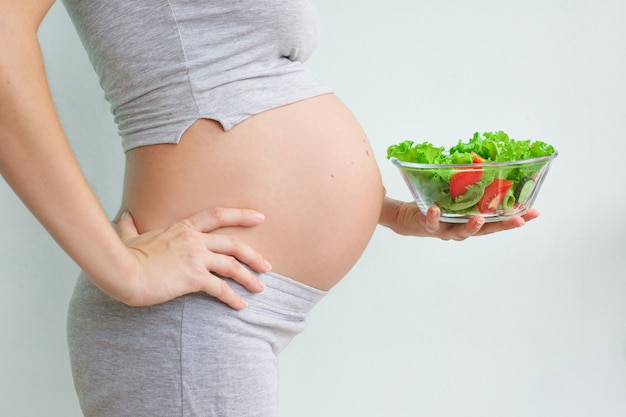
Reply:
x=182, y=357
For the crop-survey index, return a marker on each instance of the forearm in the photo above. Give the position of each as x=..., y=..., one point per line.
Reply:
x=37, y=162
x=389, y=212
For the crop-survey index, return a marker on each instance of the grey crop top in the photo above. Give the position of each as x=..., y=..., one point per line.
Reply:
x=163, y=64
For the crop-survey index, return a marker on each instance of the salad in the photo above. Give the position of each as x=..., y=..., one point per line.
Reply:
x=489, y=173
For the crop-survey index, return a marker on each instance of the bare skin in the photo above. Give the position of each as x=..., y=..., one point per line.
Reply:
x=297, y=186
x=405, y=218
x=37, y=162
x=308, y=167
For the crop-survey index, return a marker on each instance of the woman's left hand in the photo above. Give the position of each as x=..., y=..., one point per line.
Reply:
x=406, y=219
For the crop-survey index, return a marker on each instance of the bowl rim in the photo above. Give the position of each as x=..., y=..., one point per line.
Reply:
x=400, y=163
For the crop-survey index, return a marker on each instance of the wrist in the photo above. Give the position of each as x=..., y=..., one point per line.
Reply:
x=389, y=213
x=112, y=269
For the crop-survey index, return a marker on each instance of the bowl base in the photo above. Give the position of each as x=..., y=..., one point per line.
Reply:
x=489, y=218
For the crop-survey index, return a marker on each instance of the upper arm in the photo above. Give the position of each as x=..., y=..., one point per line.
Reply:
x=26, y=14
x=25, y=99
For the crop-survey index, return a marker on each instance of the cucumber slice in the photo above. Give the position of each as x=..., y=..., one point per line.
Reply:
x=524, y=189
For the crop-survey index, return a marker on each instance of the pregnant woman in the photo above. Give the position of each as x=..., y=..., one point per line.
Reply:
x=236, y=157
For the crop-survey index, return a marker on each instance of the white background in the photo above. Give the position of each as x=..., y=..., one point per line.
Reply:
x=528, y=323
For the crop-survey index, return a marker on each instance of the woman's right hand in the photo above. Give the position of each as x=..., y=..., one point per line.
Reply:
x=187, y=257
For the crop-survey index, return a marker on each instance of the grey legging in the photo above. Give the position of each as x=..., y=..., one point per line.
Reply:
x=192, y=356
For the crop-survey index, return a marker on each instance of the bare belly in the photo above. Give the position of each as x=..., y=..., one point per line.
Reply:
x=308, y=167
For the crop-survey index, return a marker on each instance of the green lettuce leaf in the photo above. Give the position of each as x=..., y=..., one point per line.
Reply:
x=492, y=146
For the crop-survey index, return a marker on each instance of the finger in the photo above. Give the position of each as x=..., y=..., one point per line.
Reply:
x=471, y=228
x=229, y=267
x=531, y=214
x=218, y=288
x=513, y=222
x=234, y=247
x=451, y=232
x=508, y=224
x=126, y=228
x=474, y=225
x=432, y=224
x=214, y=218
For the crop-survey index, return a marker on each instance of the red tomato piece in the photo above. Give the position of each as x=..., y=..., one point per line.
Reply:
x=461, y=180
x=477, y=158
x=493, y=195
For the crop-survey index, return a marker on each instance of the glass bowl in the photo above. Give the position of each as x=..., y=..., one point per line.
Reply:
x=494, y=190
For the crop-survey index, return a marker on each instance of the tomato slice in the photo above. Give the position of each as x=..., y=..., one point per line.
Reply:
x=477, y=158
x=493, y=195
x=459, y=181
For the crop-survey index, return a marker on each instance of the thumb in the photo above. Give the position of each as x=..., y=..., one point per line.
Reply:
x=126, y=228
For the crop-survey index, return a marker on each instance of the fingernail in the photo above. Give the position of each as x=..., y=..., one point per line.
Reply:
x=268, y=265
x=258, y=215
